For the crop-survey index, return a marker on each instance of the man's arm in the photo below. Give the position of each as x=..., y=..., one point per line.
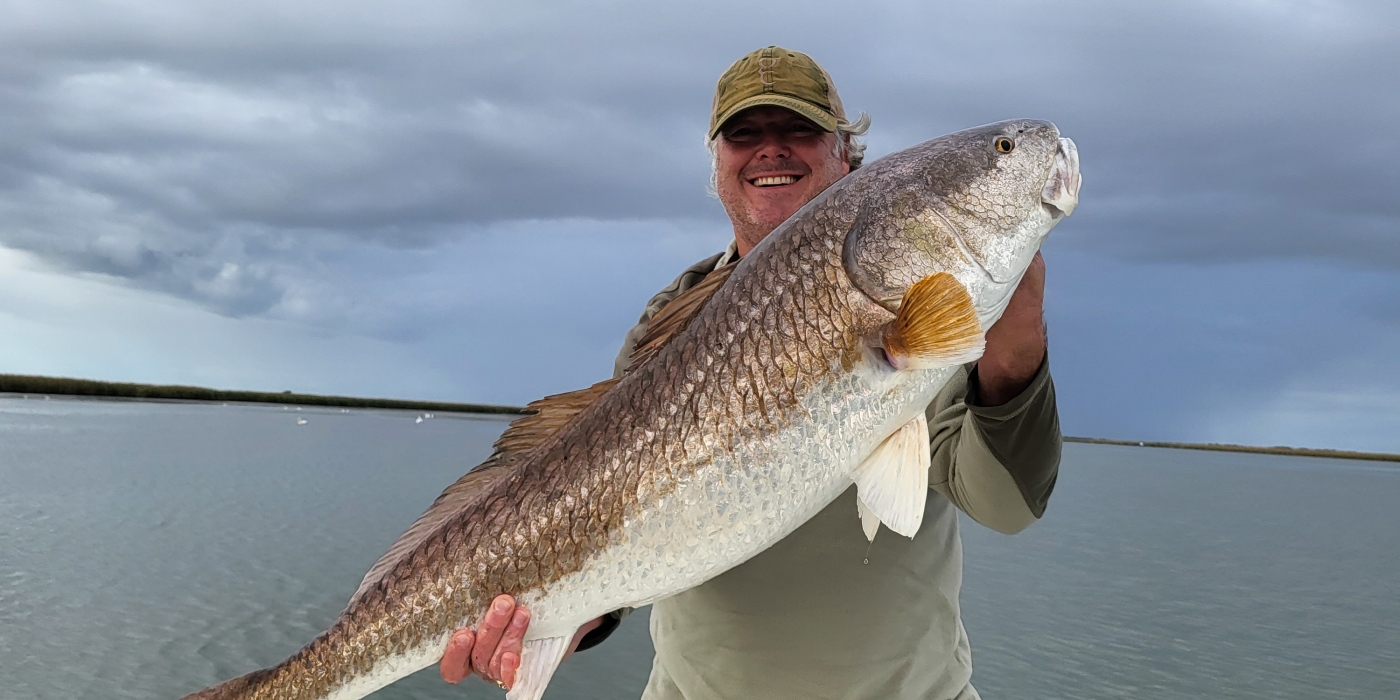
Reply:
x=995, y=436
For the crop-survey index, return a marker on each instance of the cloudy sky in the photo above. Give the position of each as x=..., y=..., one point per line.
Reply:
x=472, y=201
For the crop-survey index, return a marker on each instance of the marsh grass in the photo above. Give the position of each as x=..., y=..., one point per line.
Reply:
x=1276, y=450
x=63, y=386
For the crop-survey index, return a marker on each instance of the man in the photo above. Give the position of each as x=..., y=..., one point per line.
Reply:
x=824, y=613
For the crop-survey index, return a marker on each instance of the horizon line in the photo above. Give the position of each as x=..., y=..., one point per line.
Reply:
x=23, y=384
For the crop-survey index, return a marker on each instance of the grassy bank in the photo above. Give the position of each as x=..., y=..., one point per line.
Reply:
x=61, y=386
x=1293, y=451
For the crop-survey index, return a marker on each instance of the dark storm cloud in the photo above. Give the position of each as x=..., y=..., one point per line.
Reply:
x=222, y=153
x=1208, y=131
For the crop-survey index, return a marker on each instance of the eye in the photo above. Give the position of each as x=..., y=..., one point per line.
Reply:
x=1004, y=144
x=740, y=134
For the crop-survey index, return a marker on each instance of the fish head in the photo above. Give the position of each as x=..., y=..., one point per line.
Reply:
x=976, y=204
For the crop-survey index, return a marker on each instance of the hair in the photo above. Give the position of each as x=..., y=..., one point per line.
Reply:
x=848, y=143
x=847, y=146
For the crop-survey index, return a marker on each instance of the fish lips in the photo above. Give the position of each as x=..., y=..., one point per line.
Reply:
x=1061, y=190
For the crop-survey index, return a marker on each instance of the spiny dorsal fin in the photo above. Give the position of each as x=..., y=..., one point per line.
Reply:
x=936, y=326
x=524, y=434
x=677, y=314
x=550, y=414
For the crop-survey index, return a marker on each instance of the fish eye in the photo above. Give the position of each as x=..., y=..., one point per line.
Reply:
x=1004, y=144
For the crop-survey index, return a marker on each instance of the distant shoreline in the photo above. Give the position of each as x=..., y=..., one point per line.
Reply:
x=1218, y=447
x=62, y=386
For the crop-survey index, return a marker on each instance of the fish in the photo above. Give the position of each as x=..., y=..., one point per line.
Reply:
x=751, y=403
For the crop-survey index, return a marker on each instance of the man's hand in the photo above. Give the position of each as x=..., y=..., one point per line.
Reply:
x=1016, y=342
x=493, y=652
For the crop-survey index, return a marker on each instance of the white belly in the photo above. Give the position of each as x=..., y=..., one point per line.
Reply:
x=738, y=504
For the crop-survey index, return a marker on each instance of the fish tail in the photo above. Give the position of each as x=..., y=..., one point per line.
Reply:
x=332, y=665
x=236, y=689
x=284, y=681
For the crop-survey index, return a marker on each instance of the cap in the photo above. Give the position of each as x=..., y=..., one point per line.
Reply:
x=782, y=78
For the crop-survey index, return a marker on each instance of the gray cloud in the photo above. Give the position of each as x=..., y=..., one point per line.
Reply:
x=142, y=143
x=439, y=175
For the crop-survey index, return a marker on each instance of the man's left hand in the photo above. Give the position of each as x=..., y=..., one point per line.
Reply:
x=1016, y=342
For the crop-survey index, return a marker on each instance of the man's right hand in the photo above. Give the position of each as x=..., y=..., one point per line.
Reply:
x=493, y=652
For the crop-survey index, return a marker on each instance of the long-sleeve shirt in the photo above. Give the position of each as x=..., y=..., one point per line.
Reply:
x=826, y=614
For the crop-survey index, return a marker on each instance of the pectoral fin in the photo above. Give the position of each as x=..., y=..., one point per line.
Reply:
x=892, y=483
x=538, y=661
x=936, y=326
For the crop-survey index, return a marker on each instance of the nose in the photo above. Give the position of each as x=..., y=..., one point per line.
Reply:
x=774, y=145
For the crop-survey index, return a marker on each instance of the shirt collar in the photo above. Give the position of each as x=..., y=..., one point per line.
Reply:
x=730, y=255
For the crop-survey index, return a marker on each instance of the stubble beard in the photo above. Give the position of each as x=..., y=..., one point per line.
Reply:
x=749, y=226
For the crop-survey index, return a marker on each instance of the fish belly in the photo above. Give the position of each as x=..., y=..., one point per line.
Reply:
x=738, y=503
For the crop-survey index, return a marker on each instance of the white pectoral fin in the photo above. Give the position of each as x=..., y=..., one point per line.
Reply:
x=892, y=483
x=538, y=661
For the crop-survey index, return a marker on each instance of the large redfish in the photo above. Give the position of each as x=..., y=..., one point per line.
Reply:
x=756, y=399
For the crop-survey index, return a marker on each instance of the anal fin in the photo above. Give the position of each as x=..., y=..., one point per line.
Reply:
x=869, y=521
x=538, y=661
x=936, y=326
x=892, y=483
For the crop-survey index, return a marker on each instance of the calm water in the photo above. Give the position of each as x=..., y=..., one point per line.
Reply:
x=149, y=549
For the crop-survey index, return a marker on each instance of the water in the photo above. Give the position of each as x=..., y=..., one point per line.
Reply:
x=148, y=549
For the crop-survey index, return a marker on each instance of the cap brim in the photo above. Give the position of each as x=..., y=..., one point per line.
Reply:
x=815, y=114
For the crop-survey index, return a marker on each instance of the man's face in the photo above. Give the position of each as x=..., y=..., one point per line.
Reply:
x=770, y=161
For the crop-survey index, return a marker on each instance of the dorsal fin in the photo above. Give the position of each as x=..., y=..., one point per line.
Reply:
x=524, y=434
x=549, y=415
x=677, y=314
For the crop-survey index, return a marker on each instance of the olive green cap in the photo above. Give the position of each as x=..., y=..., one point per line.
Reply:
x=782, y=78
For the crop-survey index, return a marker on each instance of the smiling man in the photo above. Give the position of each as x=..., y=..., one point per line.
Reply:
x=824, y=613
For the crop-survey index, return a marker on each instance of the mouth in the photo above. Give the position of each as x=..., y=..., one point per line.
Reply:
x=1061, y=191
x=774, y=180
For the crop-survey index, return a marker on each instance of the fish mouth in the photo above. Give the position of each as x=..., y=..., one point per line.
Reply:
x=1061, y=190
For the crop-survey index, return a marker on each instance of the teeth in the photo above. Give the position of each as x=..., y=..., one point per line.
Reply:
x=775, y=180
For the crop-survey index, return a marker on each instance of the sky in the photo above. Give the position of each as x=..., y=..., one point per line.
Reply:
x=473, y=201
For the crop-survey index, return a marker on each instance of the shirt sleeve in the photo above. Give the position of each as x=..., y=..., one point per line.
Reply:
x=998, y=464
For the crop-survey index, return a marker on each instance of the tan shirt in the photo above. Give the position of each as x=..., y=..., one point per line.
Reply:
x=823, y=613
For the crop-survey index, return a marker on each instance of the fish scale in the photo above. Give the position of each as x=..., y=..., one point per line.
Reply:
x=737, y=430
